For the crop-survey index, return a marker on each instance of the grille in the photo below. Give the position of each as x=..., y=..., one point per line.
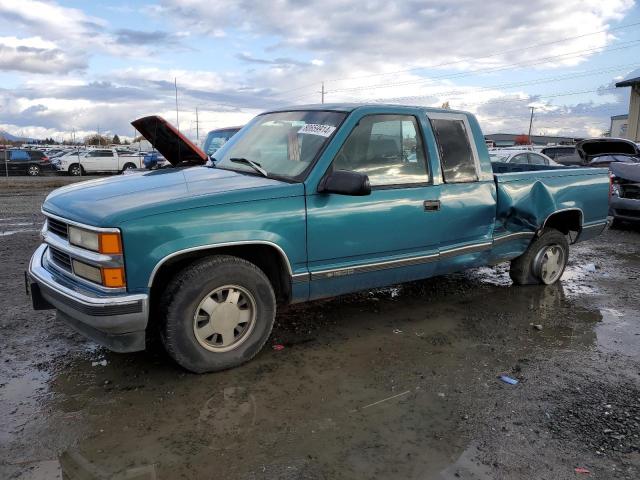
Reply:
x=627, y=213
x=61, y=259
x=58, y=227
x=630, y=191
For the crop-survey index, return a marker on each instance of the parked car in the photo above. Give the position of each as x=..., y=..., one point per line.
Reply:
x=25, y=162
x=602, y=152
x=99, y=160
x=153, y=160
x=304, y=203
x=217, y=138
x=526, y=157
x=563, y=154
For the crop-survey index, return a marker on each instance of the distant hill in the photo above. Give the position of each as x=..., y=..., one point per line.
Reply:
x=12, y=138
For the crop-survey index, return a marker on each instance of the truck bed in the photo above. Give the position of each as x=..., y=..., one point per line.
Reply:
x=528, y=194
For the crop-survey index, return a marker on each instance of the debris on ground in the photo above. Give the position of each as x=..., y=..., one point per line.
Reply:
x=536, y=326
x=277, y=347
x=102, y=363
x=582, y=470
x=509, y=380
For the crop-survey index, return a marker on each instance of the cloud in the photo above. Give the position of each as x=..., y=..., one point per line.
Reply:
x=426, y=34
x=37, y=60
x=279, y=61
x=155, y=38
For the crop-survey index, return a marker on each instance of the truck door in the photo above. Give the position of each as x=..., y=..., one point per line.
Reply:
x=388, y=236
x=467, y=196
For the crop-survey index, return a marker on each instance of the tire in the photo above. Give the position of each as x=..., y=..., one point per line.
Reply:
x=75, y=170
x=186, y=325
x=33, y=170
x=129, y=166
x=536, y=266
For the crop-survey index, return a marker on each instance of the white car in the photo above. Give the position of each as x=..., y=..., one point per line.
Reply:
x=98, y=160
x=527, y=157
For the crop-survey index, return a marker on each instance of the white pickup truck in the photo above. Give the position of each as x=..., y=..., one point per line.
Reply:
x=99, y=160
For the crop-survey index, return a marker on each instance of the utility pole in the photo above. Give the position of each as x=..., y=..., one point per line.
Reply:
x=531, y=124
x=175, y=83
x=322, y=92
x=197, y=127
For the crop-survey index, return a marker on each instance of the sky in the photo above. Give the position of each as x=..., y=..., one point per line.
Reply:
x=79, y=67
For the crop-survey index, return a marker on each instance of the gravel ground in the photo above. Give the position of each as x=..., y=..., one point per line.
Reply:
x=398, y=382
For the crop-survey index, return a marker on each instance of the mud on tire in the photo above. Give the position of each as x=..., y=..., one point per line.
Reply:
x=186, y=293
x=525, y=269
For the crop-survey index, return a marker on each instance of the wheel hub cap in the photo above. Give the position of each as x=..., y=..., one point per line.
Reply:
x=224, y=318
x=551, y=263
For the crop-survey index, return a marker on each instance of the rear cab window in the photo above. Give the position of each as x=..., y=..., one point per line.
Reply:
x=458, y=156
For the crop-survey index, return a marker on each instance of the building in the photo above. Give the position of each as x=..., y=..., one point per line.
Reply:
x=509, y=139
x=619, y=126
x=633, y=124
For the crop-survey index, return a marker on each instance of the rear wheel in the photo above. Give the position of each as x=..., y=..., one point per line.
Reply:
x=76, y=170
x=129, y=166
x=217, y=314
x=33, y=170
x=543, y=263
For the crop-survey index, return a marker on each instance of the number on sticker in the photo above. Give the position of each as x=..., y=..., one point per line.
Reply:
x=317, y=129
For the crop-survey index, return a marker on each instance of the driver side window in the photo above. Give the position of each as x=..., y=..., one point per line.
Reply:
x=386, y=148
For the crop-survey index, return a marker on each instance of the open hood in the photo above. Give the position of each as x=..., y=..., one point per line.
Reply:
x=167, y=140
x=593, y=147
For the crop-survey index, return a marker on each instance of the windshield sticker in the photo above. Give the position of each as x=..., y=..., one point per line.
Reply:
x=316, y=129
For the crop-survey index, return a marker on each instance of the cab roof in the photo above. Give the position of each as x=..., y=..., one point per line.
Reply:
x=350, y=107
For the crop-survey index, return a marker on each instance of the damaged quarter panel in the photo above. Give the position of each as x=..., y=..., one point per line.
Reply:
x=527, y=199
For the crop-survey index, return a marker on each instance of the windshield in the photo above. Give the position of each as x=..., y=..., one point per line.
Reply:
x=283, y=144
x=216, y=139
x=499, y=157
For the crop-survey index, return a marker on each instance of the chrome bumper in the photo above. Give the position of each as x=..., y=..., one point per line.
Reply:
x=117, y=321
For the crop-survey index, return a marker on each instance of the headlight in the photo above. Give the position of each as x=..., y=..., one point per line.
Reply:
x=103, y=242
x=87, y=272
x=107, y=276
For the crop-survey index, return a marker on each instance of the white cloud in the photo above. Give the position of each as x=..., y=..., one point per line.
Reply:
x=421, y=33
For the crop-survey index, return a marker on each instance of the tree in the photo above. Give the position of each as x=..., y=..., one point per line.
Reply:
x=116, y=140
x=96, y=139
x=522, y=140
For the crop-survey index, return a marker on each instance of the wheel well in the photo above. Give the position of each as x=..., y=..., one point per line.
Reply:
x=565, y=221
x=265, y=257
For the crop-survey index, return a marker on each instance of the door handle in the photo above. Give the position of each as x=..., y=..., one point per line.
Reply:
x=431, y=205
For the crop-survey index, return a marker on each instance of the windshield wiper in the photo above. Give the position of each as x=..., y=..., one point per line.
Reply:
x=255, y=165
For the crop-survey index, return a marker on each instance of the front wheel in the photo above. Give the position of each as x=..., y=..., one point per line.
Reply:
x=129, y=166
x=217, y=314
x=33, y=170
x=543, y=263
x=76, y=170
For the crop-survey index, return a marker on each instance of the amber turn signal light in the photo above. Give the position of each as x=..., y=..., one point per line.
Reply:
x=110, y=243
x=113, y=277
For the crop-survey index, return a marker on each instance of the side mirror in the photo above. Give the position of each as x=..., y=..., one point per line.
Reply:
x=344, y=182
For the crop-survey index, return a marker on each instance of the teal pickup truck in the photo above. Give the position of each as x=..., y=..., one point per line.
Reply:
x=303, y=203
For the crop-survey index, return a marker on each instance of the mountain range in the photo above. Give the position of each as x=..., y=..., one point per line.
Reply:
x=13, y=138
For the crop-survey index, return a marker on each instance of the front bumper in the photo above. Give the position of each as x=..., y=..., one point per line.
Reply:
x=625, y=209
x=115, y=321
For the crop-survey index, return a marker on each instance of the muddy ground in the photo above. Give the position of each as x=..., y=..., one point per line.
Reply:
x=394, y=383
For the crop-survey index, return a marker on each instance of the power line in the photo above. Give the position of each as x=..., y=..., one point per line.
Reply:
x=495, y=54
x=538, y=81
x=537, y=61
x=444, y=64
